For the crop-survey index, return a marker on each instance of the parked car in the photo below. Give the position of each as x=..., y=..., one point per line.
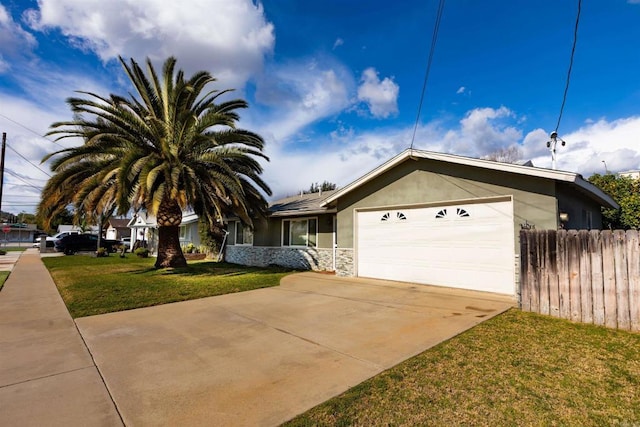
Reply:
x=51, y=239
x=84, y=242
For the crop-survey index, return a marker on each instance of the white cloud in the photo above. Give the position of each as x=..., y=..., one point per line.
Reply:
x=461, y=90
x=380, y=96
x=231, y=42
x=337, y=43
x=299, y=94
x=616, y=142
x=14, y=40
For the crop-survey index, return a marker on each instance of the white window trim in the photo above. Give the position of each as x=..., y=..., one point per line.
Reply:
x=235, y=235
x=304, y=218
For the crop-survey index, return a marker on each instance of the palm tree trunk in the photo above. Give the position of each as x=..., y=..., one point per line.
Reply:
x=169, y=250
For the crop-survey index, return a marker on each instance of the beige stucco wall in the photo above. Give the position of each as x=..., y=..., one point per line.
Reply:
x=429, y=181
x=268, y=232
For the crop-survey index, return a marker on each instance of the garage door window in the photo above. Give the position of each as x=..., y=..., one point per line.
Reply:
x=300, y=232
x=450, y=212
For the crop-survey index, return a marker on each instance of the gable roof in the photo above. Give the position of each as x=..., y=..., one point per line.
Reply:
x=303, y=204
x=570, y=178
x=119, y=222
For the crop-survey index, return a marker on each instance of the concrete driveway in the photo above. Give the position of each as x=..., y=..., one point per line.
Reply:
x=264, y=356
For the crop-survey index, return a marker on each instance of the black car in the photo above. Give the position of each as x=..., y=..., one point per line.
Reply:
x=84, y=242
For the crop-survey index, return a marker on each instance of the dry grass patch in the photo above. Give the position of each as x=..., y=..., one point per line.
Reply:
x=515, y=369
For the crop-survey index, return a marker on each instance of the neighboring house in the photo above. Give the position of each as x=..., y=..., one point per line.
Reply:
x=423, y=217
x=633, y=174
x=68, y=227
x=19, y=233
x=117, y=228
x=144, y=230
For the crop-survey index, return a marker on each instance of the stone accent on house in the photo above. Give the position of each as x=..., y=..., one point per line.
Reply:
x=299, y=258
x=344, y=262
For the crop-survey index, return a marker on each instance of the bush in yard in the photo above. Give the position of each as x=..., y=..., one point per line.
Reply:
x=142, y=252
x=102, y=252
x=3, y=252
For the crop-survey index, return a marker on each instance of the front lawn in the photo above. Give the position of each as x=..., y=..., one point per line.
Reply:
x=92, y=285
x=3, y=278
x=515, y=369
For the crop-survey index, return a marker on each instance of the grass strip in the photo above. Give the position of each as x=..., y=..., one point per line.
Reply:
x=90, y=285
x=515, y=369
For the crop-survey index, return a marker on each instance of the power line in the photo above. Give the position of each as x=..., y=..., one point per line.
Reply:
x=29, y=161
x=31, y=130
x=15, y=175
x=573, y=51
x=434, y=39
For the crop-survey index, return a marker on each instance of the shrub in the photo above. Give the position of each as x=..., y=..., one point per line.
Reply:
x=3, y=252
x=142, y=252
x=102, y=252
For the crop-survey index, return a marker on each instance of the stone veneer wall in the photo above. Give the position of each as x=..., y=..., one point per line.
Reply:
x=344, y=262
x=262, y=256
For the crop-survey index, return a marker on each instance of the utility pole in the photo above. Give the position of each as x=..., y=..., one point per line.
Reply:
x=551, y=145
x=4, y=146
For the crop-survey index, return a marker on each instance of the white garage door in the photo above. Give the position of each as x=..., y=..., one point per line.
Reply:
x=468, y=246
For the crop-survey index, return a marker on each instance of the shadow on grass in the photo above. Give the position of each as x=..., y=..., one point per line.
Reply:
x=212, y=268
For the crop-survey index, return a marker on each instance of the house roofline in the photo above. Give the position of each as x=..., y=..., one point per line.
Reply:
x=562, y=176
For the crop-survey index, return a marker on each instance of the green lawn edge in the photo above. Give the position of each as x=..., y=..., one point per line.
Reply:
x=90, y=285
x=3, y=278
x=515, y=369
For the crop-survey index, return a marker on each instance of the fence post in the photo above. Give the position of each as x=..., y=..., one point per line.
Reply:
x=609, y=273
x=586, y=296
x=597, y=282
x=622, y=279
x=633, y=264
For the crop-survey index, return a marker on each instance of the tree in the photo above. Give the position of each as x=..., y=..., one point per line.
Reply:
x=325, y=186
x=165, y=148
x=626, y=192
x=505, y=155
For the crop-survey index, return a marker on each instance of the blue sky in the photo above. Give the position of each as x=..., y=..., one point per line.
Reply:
x=334, y=86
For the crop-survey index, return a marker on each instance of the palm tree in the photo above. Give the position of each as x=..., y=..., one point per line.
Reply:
x=166, y=148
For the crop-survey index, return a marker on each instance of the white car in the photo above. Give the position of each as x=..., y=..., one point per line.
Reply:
x=53, y=238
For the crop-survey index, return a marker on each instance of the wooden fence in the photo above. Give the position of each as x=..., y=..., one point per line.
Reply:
x=584, y=276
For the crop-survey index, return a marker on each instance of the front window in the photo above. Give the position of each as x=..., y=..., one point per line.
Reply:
x=300, y=232
x=244, y=235
x=183, y=232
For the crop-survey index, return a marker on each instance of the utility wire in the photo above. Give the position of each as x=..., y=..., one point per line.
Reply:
x=29, y=161
x=31, y=130
x=434, y=39
x=15, y=175
x=573, y=51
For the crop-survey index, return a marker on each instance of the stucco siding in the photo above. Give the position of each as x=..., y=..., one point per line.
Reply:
x=579, y=209
x=429, y=181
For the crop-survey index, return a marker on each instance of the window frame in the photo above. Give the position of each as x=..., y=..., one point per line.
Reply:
x=299, y=219
x=244, y=230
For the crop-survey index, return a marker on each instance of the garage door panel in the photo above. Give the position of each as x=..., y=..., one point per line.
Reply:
x=435, y=245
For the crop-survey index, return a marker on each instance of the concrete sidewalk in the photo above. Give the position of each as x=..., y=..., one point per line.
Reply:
x=47, y=376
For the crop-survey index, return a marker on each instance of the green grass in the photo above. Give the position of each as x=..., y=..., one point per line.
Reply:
x=14, y=249
x=91, y=285
x=3, y=278
x=515, y=369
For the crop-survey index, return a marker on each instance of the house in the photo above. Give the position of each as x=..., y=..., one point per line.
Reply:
x=144, y=230
x=633, y=174
x=70, y=227
x=423, y=217
x=117, y=228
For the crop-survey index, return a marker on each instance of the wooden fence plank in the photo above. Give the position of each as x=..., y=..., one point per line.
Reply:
x=586, y=296
x=574, y=275
x=633, y=266
x=622, y=279
x=536, y=267
x=597, y=284
x=545, y=272
x=525, y=270
x=609, y=280
x=563, y=280
x=552, y=259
